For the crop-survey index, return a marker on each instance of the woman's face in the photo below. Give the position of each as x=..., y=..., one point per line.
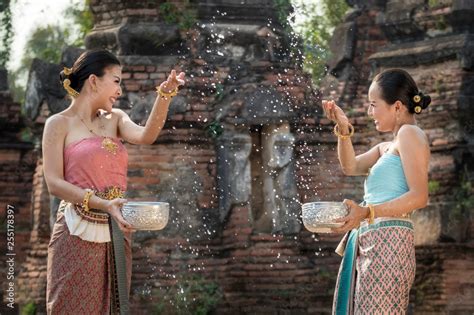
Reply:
x=383, y=114
x=108, y=87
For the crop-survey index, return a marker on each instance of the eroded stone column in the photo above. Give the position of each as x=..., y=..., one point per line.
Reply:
x=280, y=193
x=233, y=171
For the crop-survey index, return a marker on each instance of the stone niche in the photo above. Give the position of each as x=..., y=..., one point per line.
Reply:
x=256, y=162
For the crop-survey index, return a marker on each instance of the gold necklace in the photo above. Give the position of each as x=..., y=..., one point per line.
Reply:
x=107, y=143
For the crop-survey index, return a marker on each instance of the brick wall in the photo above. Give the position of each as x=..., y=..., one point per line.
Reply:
x=17, y=165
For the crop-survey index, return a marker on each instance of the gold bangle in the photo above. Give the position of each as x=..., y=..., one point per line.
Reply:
x=343, y=137
x=85, y=201
x=371, y=213
x=164, y=94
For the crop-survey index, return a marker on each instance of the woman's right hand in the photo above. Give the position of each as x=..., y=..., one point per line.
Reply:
x=113, y=209
x=335, y=114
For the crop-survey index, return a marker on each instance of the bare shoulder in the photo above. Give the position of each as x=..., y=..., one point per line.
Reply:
x=120, y=115
x=55, y=130
x=58, y=121
x=117, y=112
x=412, y=137
x=412, y=133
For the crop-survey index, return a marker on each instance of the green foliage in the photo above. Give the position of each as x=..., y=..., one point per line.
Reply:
x=5, y=31
x=192, y=294
x=433, y=3
x=16, y=84
x=335, y=11
x=84, y=19
x=26, y=135
x=441, y=23
x=29, y=309
x=173, y=15
x=464, y=197
x=214, y=129
x=169, y=12
x=433, y=186
x=47, y=43
x=316, y=32
x=283, y=7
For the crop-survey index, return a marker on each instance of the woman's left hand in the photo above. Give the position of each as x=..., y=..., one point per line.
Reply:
x=353, y=219
x=172, y=82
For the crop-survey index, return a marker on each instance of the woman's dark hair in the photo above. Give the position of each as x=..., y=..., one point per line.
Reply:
x=89, y=62
x=398, y=85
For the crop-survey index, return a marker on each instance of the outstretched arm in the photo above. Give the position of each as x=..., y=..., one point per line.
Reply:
x=133, y=133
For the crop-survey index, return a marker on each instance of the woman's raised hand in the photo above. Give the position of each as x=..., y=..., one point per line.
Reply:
x=114, y=207
x=172, y=82
x=335, y=113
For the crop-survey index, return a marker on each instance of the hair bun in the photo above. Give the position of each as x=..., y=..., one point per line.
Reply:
x=420, y=102
x=425, y=100
x=66, y=73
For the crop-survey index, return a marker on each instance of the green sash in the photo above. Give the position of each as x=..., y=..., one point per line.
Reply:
x=344, y=302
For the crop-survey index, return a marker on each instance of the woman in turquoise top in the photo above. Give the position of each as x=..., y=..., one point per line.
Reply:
x=378, y=266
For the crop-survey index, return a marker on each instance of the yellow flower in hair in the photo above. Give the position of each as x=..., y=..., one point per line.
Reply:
x=418, y=109
x=417, y=98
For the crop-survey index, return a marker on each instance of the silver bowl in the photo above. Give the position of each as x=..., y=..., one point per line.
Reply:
x=144, y=215
x=318, y=217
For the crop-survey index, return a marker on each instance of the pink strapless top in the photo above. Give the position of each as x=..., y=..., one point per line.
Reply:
x=88, y=165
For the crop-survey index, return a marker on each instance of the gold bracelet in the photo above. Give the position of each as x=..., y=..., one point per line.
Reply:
x=371, y=213
x=166, y=95
x=343, y=137
x=85, y=201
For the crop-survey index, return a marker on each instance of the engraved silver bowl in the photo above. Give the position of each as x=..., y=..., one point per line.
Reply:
x=318, y=217
x=143, y=215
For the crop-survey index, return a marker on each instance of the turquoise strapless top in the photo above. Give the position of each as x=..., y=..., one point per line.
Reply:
x=386, y=180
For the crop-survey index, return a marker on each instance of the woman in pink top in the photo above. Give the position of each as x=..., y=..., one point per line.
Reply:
x=85, y=165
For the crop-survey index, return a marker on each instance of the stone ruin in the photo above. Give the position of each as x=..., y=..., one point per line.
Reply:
x=245, y=144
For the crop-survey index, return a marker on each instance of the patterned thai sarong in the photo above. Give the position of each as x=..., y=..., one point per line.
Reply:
x=377, y=269
x=80, y=274
x=82, y=263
